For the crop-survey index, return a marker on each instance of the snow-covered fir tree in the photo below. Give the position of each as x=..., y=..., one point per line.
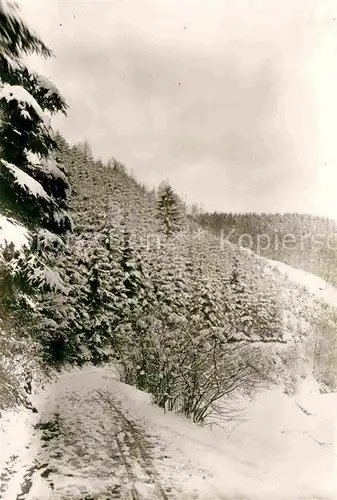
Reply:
x=168, y=210
x=106, y=299
x=34, y=189
x=205, y=302
x=252, y=308
x=132, y=270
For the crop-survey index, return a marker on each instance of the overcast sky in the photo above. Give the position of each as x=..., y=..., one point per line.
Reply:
x=233, y=101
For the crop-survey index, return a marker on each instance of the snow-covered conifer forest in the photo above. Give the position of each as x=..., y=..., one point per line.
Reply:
x=141, y=355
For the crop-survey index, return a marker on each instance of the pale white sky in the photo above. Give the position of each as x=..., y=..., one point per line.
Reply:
x=233, y=101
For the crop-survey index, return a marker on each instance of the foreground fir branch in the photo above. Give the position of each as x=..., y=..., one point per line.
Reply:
x=34, y=189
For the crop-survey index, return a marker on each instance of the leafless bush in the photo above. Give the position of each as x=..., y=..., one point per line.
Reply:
x=190, y=373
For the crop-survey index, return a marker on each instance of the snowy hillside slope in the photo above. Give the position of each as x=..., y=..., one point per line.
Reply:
x=309, y=316
x=315, y=285
x=97, y=438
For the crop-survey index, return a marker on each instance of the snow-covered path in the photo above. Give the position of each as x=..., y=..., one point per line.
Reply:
x=96, y=438
x=84, y=446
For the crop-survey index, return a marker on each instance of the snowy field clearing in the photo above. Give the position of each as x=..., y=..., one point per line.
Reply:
x=97, y=438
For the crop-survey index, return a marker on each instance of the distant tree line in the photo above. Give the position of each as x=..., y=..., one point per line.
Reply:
x=308, y=242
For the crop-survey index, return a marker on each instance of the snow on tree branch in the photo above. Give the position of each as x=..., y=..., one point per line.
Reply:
x=13, y=28
x=11, y=232
x=24, y=99
x=26, y=181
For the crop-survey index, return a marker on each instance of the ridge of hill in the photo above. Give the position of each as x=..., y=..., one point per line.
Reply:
x=303, y=241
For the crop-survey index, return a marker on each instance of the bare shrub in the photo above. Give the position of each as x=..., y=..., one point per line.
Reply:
x=190, y=373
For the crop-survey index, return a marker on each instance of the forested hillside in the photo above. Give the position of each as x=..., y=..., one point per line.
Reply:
x=126, y=317
x=187, y=318
x=300, y=240
x=96, y=268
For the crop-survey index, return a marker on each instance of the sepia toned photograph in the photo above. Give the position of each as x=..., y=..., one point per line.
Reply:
x=168, y=249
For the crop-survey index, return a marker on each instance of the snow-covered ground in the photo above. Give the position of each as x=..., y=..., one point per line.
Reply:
x=98, y=438
x=315, y=285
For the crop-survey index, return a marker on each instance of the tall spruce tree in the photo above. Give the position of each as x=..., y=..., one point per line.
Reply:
x=168, y=210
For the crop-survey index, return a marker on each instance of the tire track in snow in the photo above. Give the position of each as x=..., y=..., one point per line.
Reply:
x=128, y=468
x=131, y=468
x=137, y=445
